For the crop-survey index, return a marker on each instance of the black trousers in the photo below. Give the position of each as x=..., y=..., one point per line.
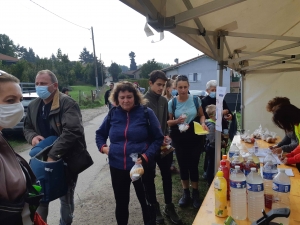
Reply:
x=121, y=182
x=210, y=171
x=188, y=147
x=164, y=165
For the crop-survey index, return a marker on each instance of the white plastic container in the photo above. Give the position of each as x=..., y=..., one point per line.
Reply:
x=281, y=194
x=255, y=190
x=269, y=172
x=238, y=198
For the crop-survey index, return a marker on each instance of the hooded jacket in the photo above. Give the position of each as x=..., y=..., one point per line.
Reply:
x=129, y=133
x=159, y=105
x=65, y=119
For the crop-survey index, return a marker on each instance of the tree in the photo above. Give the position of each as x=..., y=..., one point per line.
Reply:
x=29, y=55
x=132, y=64
x=7, y=46
x=114, y=71
x=148, y=67
x=164, y=65
x=124, y=68
x=86, y=57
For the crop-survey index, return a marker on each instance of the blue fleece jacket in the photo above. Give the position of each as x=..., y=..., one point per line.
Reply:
x=128, y=134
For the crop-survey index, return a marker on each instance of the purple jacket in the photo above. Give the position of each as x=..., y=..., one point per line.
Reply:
x=129, y=133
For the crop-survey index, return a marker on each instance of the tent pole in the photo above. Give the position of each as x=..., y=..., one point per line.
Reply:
x=242, y=101
x=220, y=83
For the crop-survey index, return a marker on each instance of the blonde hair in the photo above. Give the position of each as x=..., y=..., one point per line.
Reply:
x=126, y=86
x=6, y=77
x=51, y=75
x=211, y=110
x=166, y=93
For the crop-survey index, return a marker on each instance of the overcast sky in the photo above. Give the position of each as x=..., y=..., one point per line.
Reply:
x=118, y=30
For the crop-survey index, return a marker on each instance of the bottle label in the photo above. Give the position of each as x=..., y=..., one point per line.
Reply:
x=269, y=176
x=217, y=184
x=238, y=184
x=255, y=187
x=281, y=188
x=231, y=154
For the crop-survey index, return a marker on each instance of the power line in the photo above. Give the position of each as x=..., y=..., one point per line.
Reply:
x=59, y=16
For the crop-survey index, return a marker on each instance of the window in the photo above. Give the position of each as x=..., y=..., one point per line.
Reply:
x=194, y=77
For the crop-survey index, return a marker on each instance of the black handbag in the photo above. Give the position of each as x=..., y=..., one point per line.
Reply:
x=78, y=161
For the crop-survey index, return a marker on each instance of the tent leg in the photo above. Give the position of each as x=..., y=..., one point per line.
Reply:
x=220, y=83
x=242, y=103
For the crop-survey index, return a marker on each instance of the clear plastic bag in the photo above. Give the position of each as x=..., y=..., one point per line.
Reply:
x=137, y=170
x=166, y=148
x=183, y=126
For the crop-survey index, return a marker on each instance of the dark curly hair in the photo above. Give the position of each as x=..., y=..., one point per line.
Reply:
x=276, y=102
x=286, y=116
x=126, y=86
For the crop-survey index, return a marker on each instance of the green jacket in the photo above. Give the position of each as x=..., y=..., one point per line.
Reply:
x=66, y=120
x=159, y=105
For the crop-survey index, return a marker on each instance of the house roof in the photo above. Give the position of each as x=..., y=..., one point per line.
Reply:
x=8, y=58
x=183, y=63
x=131, y=72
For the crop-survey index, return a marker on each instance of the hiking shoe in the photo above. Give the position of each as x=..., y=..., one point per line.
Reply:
x=185, y=199
x=196, y=199
x=171, y=213
x=159, y=218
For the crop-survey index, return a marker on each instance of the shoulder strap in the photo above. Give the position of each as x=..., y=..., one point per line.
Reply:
x=109, y=116
x=195, y=98
x=174, y=102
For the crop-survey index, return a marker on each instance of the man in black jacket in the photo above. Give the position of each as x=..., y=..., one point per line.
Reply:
x=54, y=113
x=106, y=96
x=159, y=105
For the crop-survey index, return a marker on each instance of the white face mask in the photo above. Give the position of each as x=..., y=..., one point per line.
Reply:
x=11, y=114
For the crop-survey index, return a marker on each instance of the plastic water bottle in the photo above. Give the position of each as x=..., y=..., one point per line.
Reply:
x=248, y=165
x=255, y=159
x=270, y=157
x=220, y=195
x=255, y=146
x=238, y=199
x=223, y=167
x=237, y=153
x=281, y=193
x=269, y=172
x=255, y=189
x=231, y=151
x=235, y=162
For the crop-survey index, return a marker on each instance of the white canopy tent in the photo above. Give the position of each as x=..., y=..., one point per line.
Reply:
x=260, y=39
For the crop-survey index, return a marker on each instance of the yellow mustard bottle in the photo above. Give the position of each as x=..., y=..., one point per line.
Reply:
x=220, y=185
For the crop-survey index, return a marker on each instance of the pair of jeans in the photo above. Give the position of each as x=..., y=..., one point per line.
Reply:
x=121, y=182
x=164, y=165
x=66, y=204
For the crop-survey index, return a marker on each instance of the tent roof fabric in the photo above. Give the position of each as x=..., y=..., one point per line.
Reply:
x=259, y=36
x=7, y=58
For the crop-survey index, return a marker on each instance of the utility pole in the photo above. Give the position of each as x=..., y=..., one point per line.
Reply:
x=95, y=60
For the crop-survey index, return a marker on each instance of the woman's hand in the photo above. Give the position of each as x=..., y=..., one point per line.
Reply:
x=204, y=126
x=228, y=117
x=284, y=160
x=180, y=120
x=105, y=150
x=139, y=161
x=272, y=147
x=276, y=150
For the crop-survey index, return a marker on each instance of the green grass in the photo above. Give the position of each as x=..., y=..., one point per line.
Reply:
x=15, y=141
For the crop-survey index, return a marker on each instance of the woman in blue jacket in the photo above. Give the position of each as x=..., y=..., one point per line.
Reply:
x=131, y=128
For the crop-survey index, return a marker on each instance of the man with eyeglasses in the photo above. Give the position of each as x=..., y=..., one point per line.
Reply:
x=56, y=114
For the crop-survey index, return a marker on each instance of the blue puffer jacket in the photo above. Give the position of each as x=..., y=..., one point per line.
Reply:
x=128, y=134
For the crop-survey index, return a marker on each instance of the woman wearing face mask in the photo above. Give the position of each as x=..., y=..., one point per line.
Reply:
x=16, y=177
x=210, y=99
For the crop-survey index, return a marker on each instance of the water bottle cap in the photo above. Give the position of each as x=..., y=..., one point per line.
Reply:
x=237, y=167
x=253, y=169
x=281, y=170
x=220, y=174
x=224, y=156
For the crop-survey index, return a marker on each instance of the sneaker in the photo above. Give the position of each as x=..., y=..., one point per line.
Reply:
x=171, y=213
x=196, y=199
x=185, y=199
x=159, y=218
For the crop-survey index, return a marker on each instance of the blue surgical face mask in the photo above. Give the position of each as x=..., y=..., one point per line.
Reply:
x=42, y=91
x=212, y=94
x=174, y=92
